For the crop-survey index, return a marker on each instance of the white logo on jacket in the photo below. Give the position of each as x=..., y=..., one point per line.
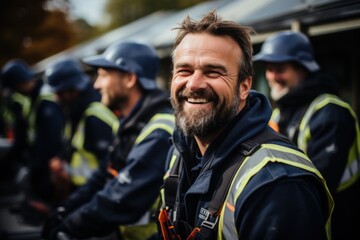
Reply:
x=204, y=213
x=124, y=177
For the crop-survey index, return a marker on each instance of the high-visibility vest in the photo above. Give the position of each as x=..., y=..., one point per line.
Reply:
x=352, y=169
x=8, y=114
x=253, y=162
x=44, y=95
x=23, y=101
x=145, y=226
x=83, y=162
x=252, y=165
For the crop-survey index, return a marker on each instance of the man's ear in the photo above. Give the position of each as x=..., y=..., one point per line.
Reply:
x=245, y=87
x=131, y=80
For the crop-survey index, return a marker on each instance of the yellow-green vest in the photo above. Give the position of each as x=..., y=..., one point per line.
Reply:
x=253, y=164
x=145, y=228
x=23, y=101
x=83, y=162
x=351, y=172
x=44, y=95
x=8, y=115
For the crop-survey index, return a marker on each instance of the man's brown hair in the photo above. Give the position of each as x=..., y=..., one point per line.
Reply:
x=214, y=25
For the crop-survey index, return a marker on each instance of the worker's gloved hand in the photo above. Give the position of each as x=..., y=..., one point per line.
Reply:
x=53, y=223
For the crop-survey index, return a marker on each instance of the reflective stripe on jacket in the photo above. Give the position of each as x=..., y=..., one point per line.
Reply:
x=24, y=102
x=83, y=162
x=252, y=165
x=145, y=226
x=44, y=96
x=352, y=170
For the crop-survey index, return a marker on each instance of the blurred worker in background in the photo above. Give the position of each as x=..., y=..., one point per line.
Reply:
x=43, y=120
x=121, y=196
x=310, y=112
x=89, y=128
x=15, y=112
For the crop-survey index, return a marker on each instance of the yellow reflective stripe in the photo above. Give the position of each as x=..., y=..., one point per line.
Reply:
x=172, y=162
x=351, y=172
x=24, y=101
x=102, y=112
x=275, y=116
x=98, y=110
x=115, y=127
x=162, y=121
x=32, y=114
x=267, y=153
x=78, y=138
x=83, y=163
x=317, y=104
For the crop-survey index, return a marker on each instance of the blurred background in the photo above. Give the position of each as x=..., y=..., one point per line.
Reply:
x=41, y=30
x=37, y=29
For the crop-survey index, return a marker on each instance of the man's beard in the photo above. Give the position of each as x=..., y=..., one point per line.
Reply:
x=118, y=102
x=203, y=122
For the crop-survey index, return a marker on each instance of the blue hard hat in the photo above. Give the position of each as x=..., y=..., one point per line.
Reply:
x=66, y=74
x=288, y=46
x=129, y=57
x=16, y=71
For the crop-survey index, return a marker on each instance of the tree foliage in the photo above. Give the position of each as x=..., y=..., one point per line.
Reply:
x=125, y=11
x=33, y=30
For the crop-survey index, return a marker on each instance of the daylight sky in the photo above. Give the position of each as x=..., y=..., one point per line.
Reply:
x=91, y=10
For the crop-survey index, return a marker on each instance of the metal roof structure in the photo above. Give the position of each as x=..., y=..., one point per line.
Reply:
x=265, y=16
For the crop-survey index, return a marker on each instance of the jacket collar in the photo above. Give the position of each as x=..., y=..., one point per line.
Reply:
x=248, y=123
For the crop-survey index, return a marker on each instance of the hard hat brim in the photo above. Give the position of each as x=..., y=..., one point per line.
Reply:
x=100, y=61
x=312, y=66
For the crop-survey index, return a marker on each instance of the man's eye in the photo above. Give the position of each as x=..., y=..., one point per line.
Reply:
x=183, y=72
x=213, y=74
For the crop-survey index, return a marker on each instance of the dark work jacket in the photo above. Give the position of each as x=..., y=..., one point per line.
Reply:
x=332, y=134
x=98, y=135
x=48, y=129
x=105, y=202
x=279, y=202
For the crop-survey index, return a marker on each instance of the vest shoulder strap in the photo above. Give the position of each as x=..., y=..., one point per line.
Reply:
x=247, y=148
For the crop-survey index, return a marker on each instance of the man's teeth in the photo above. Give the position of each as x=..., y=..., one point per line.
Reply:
x=198, y=100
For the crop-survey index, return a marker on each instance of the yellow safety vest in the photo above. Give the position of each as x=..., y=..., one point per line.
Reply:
x=352, y=169
x=83, y=162
x=24, y=101
x=253, y=164
x=145, y=228
x=8, y=114
x=32, y=115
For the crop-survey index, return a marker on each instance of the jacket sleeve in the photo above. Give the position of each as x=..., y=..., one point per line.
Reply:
x=85, y=193
x=332, y=134
x=289, y=208
x=126, y=198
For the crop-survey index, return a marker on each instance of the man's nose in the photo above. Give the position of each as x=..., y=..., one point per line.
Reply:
x=196, y=81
